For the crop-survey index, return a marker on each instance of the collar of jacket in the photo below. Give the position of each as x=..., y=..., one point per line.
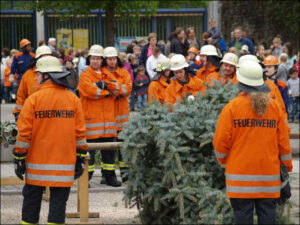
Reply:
x=163, y=82
x=113, y=75
x=179, y=85
x=94, y=73
x=49, y=84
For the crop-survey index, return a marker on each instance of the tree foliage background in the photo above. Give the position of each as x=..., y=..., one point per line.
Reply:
x=262, y=20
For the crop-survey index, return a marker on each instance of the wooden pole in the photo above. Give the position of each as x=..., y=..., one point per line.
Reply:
x=104, y=146
x=83, y=192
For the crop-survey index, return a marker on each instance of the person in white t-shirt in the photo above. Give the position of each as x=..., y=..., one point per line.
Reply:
x=151, y=63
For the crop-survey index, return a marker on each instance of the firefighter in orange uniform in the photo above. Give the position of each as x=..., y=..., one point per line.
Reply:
x=252, y=141
x=28, y=84
x=51, y=130
x=112, y=66
x=228, y=69
x=211, y=63
x=182, y=83
x=158, y=85
x=271, y=66
x=98, y=92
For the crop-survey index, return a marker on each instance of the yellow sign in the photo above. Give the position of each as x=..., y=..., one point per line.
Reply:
x=81, y=38
x=64, y=39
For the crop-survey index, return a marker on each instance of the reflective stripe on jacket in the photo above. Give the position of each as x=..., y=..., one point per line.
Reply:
x=122, y=76
x=98, y=104
x=27, y=87
x=51, y=127
x=252, y=148
x=176, y=91
x=157, y=90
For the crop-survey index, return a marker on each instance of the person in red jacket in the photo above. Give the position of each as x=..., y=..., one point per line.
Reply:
x=51, y=145
x=252, y=141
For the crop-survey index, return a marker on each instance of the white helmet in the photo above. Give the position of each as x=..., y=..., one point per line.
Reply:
x=230, y=58
x=48, y=64
x=250, y=73
x=178, y=62
x=247, y=57
x=96, y=50
x=208, y=50
x=110, y=52
x=42, y=50
x=163, y=64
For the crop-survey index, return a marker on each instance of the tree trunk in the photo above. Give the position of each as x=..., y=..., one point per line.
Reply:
x=110, y=28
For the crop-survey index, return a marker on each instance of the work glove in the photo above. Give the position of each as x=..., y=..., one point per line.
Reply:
x=11, y=78
x=101, y=84
x=19, y=163
x=285, y=192
x=79, y=167
x=113, y=86
x=17, y=114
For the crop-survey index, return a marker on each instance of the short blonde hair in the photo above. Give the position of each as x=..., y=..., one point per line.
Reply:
x=123, y=56
x=277, y=40
x=152, y=35
x=283, y=58
x=233, y=50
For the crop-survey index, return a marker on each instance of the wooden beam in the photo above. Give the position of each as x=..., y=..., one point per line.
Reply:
x=294, y=136
x=11, y=181
x=104, y=146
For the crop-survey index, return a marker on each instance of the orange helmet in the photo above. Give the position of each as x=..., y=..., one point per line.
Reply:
x=271, y=60
x=193, y=50
x=24, y=42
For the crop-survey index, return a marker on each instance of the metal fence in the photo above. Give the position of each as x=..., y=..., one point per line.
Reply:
x=16, y=25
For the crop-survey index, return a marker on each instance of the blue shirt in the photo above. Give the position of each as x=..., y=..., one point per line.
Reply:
x=20, y=63
x=244, y=41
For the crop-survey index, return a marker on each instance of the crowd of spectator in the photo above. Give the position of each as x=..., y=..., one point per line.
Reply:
x=140, y=60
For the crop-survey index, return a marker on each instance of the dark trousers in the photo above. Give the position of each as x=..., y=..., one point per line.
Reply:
x=33, y=199
x=108, y=159
x=243, y=210
x=123, y=166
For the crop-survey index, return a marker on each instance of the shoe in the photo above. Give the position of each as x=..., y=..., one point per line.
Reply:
x=103, y=180
x=112, y=181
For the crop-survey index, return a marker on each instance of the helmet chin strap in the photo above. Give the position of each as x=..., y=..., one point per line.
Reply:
x=271, y=77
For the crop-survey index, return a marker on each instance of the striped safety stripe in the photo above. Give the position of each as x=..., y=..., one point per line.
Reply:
x=118, y=88
x=98, y=93
x=220, y=155
x=19, y=107
x=108, y=166
x=234, y=177
x=124, y=89
x=122, y=117
x=22, y=144
x=50, y=167
x=238, y=189
x=122, y=164
x=286, y=157
x=91, y=168
x=107, y=131
x=50, y=178
x=81, y=142
x=23, y=222
x=91, y=125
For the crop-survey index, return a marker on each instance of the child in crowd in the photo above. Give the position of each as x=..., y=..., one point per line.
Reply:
x=141, y=84
x=133, y=63
x=7, y=84
x=294, y=96
x=194, y=64
x=137, y=53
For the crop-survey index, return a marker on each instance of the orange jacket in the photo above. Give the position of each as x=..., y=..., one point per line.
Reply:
x=157, y=90
x=252, y=148
x=275, y=94
x=98, y=105
x=176, y=91
x=203, y=75
x=6, y=77
x=121, y=102
x=27, y=87
x=51, y=126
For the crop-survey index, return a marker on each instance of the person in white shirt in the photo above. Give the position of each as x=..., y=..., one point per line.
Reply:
x=151, y=63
